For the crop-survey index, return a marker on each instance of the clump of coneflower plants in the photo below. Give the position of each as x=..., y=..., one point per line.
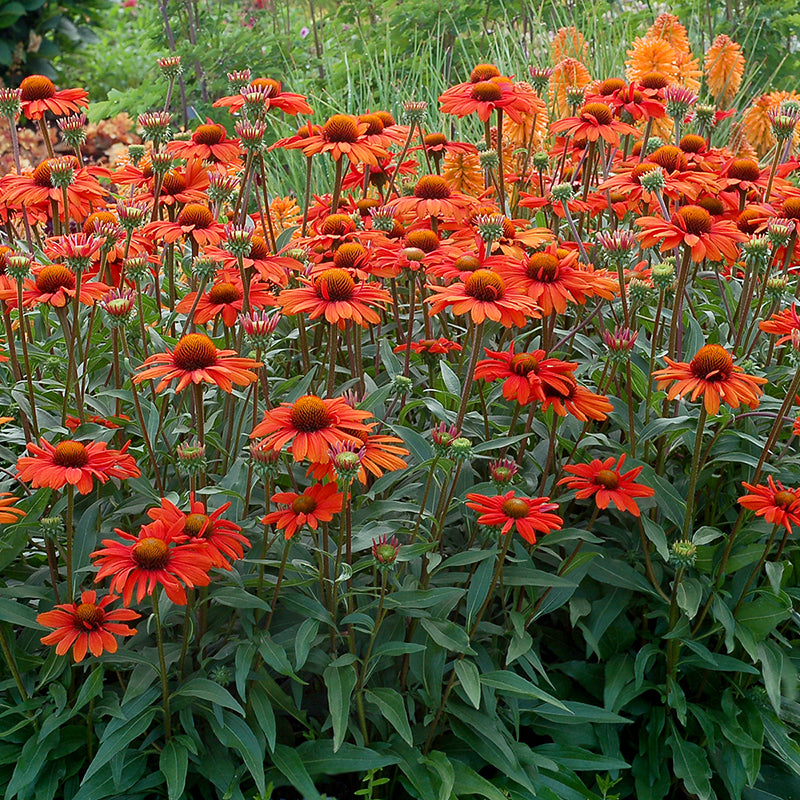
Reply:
x=470, y=472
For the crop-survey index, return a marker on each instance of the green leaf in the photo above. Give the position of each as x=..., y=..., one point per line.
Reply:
x=275, y=655
x=208, y=690
x=765, y=613
x=174, y=763
x=468, y=674
x=318, y=757
x=507, y=682
x=264, y=714
x=579, y=759
x=772, y=667
x=18, y=614
x=451, y=381
x=448, y=635
x=689, y=595
x=118, y=741
x=90, y=688
x=235, y=733
x=690, y=764
x=340, y=682
x=10, y=13
x=444, y=771
x=302, y=641
x=655, y=533
x=391, y=705
x=479, y=589
x=288, y=762
x=469, y=782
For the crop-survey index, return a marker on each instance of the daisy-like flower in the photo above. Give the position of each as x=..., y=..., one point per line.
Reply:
x=440, y=346
x=578, y=401
x=433, y=197
x=318, y=503
x=342, y=135
x=196, y=359
x=525, y=375
x=528, y=515
x=88, y=625
x=334, y=294
x=694, y=227
x=54, y=285
x=777, y=504
x=39, y=94
x=225, y=299
x=312, y=425
x=484, y=96
x=271, y=268
x=222, y=539
x=594, y=121
x=209, y=142
x=712, y=374
x=483, y=295
x=151, y=558
x=783, y=323
x=608, y=484
x=8, y=511
x=274, y=97
x=74, y=463
x=195, y=221
x=376, y=454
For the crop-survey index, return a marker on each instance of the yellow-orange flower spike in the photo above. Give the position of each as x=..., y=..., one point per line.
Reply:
x=724, y=66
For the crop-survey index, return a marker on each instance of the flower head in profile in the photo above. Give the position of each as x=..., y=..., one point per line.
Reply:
x=712, y=375
x=209, y=142
x=153, y=557
x=221, y=538
x=527, y=515
x=39, y=94
x=312, y=425
x=75, y=464
x=196, y=359
x=777, y=504
x=605, y=481
x=595, y=121
x=318, y=503
x=87, y=626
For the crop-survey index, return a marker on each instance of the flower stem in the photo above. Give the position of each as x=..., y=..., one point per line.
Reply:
x=162, y=663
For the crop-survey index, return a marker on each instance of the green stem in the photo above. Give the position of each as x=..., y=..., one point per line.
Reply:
x=162, y=663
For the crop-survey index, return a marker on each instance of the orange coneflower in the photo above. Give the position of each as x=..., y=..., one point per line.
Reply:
x=440, y=346
x=432, y=197
x=605, y=481
x=525, y=375
x=785, y=323
x=777, y=504
x=195, y=221
x=274, y=97
x=318, y=503
x=221, y=539
x=712, y=374
x=180, y=185
x=88, y=625
x=271, y=268
x=75, y=464
x=694, y=227
x=483, y=295
x=39, y=94
x=312, y=425
x=151, y=558
x=341, y=135
x=334, y=294
x=209, y=142
x=196, y=359
x=527, y=515
x=8, y=511
x=54, y=285
x=724, y=67
x=225, y=299
x=483, y=97
x=576, y=400
x=594, y=121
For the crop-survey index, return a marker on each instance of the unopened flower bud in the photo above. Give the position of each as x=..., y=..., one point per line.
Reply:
x=414, y=111
x=170, y=66
x=461, y=449
x=266, y=462
x=663, y=274
x=191, y=458
x=137, y=267
x=10, y=102
x=443, y=438
x=562, y=192
x=205, y=267
x=18, y=266
x=258, y=327
x=541, y=161
x=117, y=307
x=385, y=551
x=684, y=553
x=654, y=180
x=503, y=472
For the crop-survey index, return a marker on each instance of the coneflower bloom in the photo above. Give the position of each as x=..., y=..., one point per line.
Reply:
x=271, y=268
x=433, y=197
x=632, y=100
x=712, y=375
x=151, y=558
x=783, y=323
x=334, y=294
x=341, y=135
x=608, y=484
x=54, y=285
x=525, y=375
x=221, y=539
x=318, y=503
x=312, y=425
x=274, y=97
x=440, y=346
x=209, y=142
x=75, y=464
x=39, y=95
x=777, y=504
x=196, y=359
x=576, y=400
x=225, y=299
x=694, y=227
x=483, y=295
x=527, y=515
x=594, y=121
x=87, y=626
x=194, y=221
x=179, y=185
x=484, y=96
